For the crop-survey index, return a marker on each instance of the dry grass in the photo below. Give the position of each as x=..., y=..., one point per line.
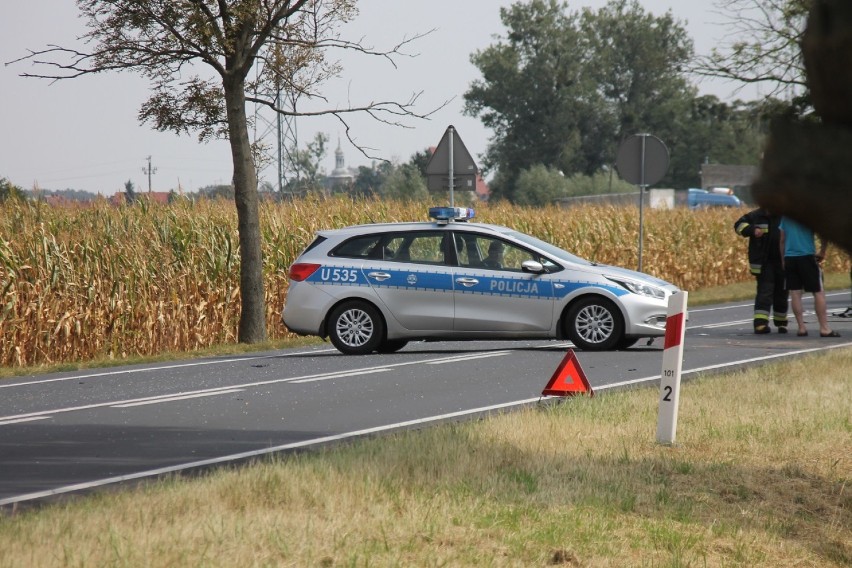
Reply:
x=117, y=283
x=760, y=477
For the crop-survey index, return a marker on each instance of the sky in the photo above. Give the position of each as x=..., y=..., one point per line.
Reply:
x=84, y=133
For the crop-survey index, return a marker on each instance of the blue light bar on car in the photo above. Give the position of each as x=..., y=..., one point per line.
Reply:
x=451, y=213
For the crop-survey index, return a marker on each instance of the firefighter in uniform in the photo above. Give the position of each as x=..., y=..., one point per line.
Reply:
x=765, y=263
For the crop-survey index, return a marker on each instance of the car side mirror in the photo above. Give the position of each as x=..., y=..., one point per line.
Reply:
x=532, y=266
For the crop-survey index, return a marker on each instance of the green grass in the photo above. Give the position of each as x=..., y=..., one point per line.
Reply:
x=760, y=476
x=746, y=290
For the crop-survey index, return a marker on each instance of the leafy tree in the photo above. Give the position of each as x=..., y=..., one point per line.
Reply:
x=602, y=182
x=221, y=191
x=765, y=36
x=533, y=94
x=206, y=61
x=129, y=192
x=368, y=181
x=8, y=190
x=404, y=183
x=636, y=61
x=306, y=166
x=68, y=194
x=563, y=89
x=420, y=160
x=540, y=185
x=722, y=133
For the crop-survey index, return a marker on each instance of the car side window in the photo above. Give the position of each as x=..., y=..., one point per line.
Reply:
x=422, y=248
x=491, y=253
x=359, y=247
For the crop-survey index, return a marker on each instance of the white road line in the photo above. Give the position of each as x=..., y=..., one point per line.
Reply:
x=468, y=357
x=213, y=391
x=724, y=365
x=696, y=310
x=348, y=435
x=19, y=420
x=256, y=453
x=555, y=346
x=174, y=398
x=722, y=324
x=7, y=385
x=46, y=413
x=339, y=375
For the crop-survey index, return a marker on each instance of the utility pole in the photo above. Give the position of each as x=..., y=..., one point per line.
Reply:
x=149, y=170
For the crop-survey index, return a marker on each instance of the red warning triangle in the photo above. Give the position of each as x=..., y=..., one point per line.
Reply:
x=569, y=378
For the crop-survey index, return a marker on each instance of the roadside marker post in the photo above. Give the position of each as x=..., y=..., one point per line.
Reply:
x=672, y=366
x=568, y=379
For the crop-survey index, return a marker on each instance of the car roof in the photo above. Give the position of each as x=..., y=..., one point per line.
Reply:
x=412, y=226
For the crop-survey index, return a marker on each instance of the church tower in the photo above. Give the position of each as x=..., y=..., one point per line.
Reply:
x=341, y=176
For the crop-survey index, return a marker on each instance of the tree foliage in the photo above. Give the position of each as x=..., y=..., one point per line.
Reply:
x=533, y=93
x=8, y=190
x=306, y=166
x=129, y=192
x=762, y=48
x=405, y=183
x=540, y=185
x=636, y=63
x=713, y=131
x=563, y=89
x=206, y=60
x=368, y=180
x=217, y=191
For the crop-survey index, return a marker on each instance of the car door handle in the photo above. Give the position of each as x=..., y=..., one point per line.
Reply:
x=379, y=275
x=467, y=282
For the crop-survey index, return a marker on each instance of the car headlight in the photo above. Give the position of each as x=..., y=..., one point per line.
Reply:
x=641, y=288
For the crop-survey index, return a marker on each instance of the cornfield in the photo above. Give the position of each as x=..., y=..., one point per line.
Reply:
x=99, y=281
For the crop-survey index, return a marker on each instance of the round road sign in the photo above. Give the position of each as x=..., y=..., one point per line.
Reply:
x=643, y=159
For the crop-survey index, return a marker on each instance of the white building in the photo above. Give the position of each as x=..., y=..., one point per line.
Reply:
x=341, y=176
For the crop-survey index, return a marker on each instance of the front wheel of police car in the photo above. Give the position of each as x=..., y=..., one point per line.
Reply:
x=595, y=324
x=355, y=328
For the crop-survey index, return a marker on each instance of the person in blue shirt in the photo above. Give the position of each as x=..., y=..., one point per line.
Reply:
x=803, y=273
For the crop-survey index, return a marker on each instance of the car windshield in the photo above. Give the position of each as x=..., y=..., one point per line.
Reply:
x=549, y=248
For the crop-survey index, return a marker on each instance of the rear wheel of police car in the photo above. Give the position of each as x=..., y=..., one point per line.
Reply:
x=356, y=328
x=594, y=324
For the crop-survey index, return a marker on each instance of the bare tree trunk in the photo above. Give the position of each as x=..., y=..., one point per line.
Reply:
x=252, y=328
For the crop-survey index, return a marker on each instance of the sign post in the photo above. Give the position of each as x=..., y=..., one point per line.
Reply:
x=642, y=160
x=672, y=366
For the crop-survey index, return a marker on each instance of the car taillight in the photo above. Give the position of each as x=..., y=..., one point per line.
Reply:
x=302, y=270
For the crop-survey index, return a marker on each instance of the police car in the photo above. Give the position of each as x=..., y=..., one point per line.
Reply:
x=374, y=288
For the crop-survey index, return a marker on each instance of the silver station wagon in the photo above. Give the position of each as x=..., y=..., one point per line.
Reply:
x=374, y=288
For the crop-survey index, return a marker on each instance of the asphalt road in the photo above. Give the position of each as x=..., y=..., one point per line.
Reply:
x=74, y=432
